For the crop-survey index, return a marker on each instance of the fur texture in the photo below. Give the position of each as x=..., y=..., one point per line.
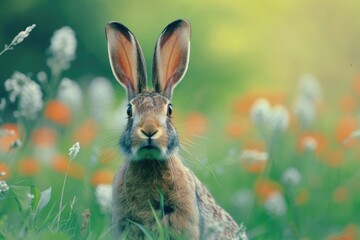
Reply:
x=150, y=146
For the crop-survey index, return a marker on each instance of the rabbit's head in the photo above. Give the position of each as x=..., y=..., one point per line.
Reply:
x=149, y=133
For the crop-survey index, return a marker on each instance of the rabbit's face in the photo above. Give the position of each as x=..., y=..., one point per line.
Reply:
x=150, y=133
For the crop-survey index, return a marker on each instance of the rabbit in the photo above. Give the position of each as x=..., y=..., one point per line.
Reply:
x=150, y=145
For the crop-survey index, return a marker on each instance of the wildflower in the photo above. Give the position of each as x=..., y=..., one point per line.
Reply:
x=3, y=187
x=102, y=177
x=6, y=132
x=62, y=49
x=354, y=134
x=276, y=205
x=103, y=194
x=74, y=150
x=29, y=167
x=30, y=197
x=260, y=112
x=18, y=38
x=309, y=95
x=196, y=124
x=29, y=94
x=279, y=119
x=58, y=112
x=86, y=132
x=70, y=93
x=15, y=144
x=310, y=143
x=2, y=174
x=254, y=161
x=101, y=96
x=42, y=77
x=291, y=176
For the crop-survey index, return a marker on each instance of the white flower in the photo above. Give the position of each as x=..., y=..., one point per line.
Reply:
x=103, y=194
x=15, y=144
x=310, y=143
x=3, y=187
x=22, y=35
x=253, y=155
x=74, y=150
x=70, y=93
x=101, y=97
x=2, y=174
x=279, y=119
x=30, y=197
x=31, y=101
x=42, y=77
x=2, y=104
x=310, y=87
x=276, y=205
x=29, y=94
x=260, y=112
x=305, y=109
x=62, y=48
x=291, y=176
x=242, y=232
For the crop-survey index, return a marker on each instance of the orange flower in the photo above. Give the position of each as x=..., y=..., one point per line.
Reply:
x=5, y=141
x=348, y=104
x=4, y=168
x=244, y=104
x=29, y=167
x=344, y=128
x=60, y=163
x=44, y=137
x=349, y=233
x=265, y=187
x=58, y=112
x=340, y=195
x=102, y=177
x=196, y=124
x=254, y=166
x=86, y=133
x=333, y=158
x=312, y=140
x=237, y=127
x=76, y=171
x=302, y=197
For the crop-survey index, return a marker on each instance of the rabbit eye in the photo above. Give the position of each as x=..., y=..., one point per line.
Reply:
x=129, y=110
x=169, y=111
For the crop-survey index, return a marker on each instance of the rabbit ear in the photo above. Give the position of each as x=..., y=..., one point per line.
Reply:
x=126, y=58
x=171, y=57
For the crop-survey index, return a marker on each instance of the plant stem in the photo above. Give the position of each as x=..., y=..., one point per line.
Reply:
x=62, y=194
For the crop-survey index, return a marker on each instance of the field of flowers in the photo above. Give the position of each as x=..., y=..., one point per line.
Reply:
x=284, y=161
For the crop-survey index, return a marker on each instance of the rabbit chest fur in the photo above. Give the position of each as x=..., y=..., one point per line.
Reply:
x=190, y=212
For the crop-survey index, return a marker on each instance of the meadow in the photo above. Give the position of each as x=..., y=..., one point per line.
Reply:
x=268, y=115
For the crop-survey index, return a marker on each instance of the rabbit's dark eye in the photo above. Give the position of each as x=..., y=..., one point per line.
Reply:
x=169, y=111
x=129, y=110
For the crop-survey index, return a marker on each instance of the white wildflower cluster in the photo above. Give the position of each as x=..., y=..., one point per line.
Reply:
x=101, y=96
x=3, y=187
x=6, y=132
x=267, y=118
x=275, y=205
x=309, y=94
x=29, y=94
x=2, y=174
x=18, y=38
x=15, y=144
x=70, y=93
x=291, y=176
x=62, y=49
x=253, y=155
x=242, y=232
x=103, y=194
x=74, y=150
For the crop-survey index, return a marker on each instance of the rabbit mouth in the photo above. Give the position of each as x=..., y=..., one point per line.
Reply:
x=149, y=152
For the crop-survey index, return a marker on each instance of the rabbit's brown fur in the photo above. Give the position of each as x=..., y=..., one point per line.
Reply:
x=150, y=143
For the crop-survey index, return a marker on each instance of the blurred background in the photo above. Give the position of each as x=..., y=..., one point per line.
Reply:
x=241, y=51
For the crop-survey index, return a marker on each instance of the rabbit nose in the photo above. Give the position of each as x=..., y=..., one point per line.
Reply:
x=149, y=134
